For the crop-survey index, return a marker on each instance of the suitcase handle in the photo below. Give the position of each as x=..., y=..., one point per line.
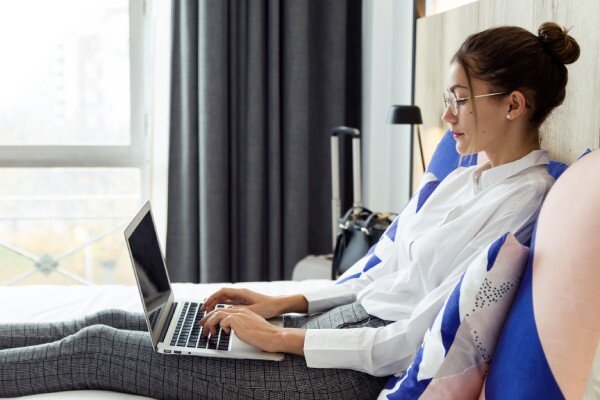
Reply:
x=346, y=131
x=335, y=173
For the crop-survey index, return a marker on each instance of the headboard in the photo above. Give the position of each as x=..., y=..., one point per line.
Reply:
x=572, y=127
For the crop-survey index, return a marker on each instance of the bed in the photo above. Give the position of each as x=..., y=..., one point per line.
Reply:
x=56, y=303
x=566, y=295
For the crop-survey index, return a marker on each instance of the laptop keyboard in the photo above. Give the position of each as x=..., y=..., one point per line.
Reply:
x=189, y=334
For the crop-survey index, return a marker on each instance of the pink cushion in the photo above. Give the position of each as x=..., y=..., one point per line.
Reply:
x=566, y=274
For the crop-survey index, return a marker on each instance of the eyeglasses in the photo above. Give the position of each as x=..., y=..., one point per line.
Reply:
x=451, y=100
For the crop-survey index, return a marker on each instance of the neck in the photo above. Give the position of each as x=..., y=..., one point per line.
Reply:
x=511, y=150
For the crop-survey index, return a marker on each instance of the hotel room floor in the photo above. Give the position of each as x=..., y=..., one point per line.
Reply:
x=56, y=303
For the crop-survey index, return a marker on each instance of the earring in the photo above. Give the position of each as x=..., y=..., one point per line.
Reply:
x=507, y=116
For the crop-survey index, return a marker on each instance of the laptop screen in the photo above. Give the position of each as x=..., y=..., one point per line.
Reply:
x=150, y=268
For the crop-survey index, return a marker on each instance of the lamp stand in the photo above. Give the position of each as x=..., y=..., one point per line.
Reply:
x=421, y=147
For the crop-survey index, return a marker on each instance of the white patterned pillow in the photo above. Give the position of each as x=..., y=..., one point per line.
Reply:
x=454, y=356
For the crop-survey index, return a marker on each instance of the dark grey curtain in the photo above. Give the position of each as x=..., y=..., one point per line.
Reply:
x=256, y=88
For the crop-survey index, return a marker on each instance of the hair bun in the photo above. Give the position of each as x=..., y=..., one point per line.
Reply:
x=557, y=41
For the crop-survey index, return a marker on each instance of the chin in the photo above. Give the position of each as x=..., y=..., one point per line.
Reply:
x=462, y=150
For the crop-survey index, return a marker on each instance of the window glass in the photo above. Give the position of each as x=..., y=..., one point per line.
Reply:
x=64, y=72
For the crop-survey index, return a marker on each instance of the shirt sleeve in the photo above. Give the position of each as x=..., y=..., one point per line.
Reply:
x=376, y=351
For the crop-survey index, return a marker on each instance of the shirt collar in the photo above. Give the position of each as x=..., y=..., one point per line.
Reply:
x=484, y=176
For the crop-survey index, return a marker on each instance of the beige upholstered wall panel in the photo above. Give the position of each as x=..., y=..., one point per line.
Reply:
x=573, y=126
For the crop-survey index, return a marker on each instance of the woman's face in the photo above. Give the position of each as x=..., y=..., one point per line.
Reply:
x=474, y=133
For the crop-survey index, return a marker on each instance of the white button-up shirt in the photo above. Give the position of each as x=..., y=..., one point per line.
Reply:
x=470, y=209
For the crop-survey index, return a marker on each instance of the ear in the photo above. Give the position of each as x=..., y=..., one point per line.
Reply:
x=516, y=104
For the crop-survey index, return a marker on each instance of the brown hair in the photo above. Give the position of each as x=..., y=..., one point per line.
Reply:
x=510, y=58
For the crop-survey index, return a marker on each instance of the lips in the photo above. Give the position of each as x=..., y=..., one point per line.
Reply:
x=457, y=134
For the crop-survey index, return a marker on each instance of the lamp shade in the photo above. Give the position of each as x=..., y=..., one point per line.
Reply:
x=408, y=115
x=404, y=115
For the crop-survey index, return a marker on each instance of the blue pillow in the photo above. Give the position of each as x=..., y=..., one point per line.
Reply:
x=453, y=358
x=556, y=168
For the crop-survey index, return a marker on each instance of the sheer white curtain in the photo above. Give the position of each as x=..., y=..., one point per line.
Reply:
x=387, y=66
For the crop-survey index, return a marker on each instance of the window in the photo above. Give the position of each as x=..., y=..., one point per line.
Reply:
x=75, y=137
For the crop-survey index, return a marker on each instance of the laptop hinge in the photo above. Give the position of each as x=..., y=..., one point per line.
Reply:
x=165, y=328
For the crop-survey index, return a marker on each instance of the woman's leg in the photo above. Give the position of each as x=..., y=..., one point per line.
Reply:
x=102, y=357
x=21, y=335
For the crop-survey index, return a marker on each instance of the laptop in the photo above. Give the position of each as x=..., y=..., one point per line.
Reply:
x=173, y=324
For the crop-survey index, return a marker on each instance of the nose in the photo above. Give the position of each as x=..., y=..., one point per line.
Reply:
x=448, y=117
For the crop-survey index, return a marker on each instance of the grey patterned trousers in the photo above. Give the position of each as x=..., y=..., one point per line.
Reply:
x=111, y=350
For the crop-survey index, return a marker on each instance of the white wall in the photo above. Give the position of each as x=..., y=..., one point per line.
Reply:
x=387, y=63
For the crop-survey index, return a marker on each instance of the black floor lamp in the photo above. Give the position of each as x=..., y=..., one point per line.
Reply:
x=408, y=115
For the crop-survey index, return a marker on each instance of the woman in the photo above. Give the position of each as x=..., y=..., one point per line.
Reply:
x=503, y=83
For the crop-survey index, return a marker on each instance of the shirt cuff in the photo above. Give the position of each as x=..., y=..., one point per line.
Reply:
x=339, y=348
x=326, y=298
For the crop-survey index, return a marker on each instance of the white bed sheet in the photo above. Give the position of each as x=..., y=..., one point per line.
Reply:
x=46, y=303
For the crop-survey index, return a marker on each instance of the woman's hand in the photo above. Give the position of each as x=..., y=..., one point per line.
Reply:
x=263, y=305
x=254, y=330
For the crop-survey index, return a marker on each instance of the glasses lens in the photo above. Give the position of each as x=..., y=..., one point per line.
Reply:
x=453, y=104
x=450, y=100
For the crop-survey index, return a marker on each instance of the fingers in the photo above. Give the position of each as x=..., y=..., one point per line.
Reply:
x=212, y=320
x=212, y=300
x=206, y=317
x=225, y=296
x=226, y=323
x=209, y=314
